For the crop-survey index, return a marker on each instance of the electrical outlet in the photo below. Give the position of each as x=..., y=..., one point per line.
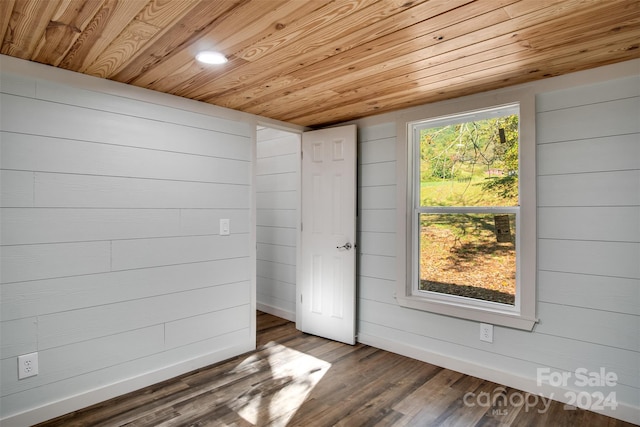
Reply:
x=486, y=332
x=27, y=365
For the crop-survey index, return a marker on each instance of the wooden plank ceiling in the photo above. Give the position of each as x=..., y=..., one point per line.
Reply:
x=317, y=62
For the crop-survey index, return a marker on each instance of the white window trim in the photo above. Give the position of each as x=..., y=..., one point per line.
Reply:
x=523, y=315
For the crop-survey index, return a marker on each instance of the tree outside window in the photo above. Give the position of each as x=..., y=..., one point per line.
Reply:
x=467, y=204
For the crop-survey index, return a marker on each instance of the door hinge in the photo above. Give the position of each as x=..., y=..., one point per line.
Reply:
x=300, y=298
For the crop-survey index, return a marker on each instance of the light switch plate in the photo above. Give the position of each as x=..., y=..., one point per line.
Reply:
x=224, y=227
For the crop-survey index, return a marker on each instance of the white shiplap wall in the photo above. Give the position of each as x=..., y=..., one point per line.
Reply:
x=277, y=216
x=112, y=266
x=588, y=149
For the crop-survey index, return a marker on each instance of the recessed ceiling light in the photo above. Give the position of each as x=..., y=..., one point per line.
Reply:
x=211, y=57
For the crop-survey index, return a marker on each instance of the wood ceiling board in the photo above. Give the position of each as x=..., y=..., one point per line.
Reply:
x=106, y=25
x=311, y=74
x=383, y=61
x=322, y=61
x=150, y=23
x=360, y=84
x=408, y=40
x=168, y=74
x=363, y=78
x=27, y=23
x=182, y=68
x=66, y=25
x=5, y=15
x=320, y=38
x=191, y=27
x=490, y=79
x=465, y=62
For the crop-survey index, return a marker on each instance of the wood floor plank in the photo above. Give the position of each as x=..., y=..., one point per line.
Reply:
x=295, y=379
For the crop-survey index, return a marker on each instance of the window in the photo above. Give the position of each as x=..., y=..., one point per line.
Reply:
x=466, y=250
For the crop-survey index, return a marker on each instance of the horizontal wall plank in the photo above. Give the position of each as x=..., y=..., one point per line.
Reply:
x=595, y=326
x=212, y=350
x=617, y=224
x=610, y=153
x=15, y=84
x=142, y=253
x=422, y=344
x=419, y=322
x=82, y=191
x=282, y=145
x=281, y=290
x=378, y=220
x=616, y=117
x=589, y=94
x=380, y=290
x=278, y=200
x=371, y=243
x=32, y=262
x=275, y=253
x=375, y=174
x=377, y=197
x=30, y=116
x=277, y=235
x=276, y=218
x=279, y=182
x=264, y=134
x=44, y=154
x=80, y=358
x=133, y=107
x=375, y=132
x=613, y=294
x=207, y=221
x=89, y=178
x=592, y=189
x=281, y=306
x=28, y=226
x=16, y=188
x=38, y=297
x=375, y=151
x=617, y=259
x=276, y=271
x=417, y=327
x=278, y=154
x=277, y=164
x=18, y=337
x=381, y=267
x=64, y=328
x=205, y=326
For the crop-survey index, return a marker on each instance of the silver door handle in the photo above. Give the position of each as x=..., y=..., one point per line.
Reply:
x=346, y=246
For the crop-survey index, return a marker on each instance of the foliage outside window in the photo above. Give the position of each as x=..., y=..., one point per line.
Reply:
x=467, y=233
x=467, y=205
x=466, y=209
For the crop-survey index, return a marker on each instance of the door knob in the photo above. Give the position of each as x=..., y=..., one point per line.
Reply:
x=346, y=246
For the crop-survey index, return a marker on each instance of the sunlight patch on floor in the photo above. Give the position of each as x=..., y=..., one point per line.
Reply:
x=286, y=382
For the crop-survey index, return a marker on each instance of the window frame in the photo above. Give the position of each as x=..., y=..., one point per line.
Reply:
x=522, y=314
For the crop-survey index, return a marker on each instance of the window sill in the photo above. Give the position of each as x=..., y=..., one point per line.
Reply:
x=510, y=319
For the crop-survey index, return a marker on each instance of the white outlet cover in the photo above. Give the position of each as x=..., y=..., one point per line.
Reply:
x=486, y=332
x=224, y=227
x=27, y=365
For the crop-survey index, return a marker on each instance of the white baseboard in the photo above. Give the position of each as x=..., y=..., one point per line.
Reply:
x=623, y=411
x=80, y=401
x=276, y=311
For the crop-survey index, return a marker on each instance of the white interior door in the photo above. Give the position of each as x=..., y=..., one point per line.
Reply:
x=328, y=265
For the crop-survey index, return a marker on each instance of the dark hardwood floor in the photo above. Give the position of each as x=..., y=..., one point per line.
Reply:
x=294, y=379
